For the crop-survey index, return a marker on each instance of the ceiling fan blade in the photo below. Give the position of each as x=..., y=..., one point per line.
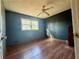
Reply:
x=49, y=8
x=39, y=13
x=46, y=13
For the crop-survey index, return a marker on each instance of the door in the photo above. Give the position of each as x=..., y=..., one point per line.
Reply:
x=70, y=36
x=2, y=30
x=75, y=21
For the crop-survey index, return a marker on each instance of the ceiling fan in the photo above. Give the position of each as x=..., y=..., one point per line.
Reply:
x=44, y=10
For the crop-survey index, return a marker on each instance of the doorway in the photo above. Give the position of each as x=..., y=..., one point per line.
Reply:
x=59, y=28
x=37, y=49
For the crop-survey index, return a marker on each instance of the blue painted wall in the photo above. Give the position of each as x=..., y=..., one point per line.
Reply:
x=58, y=24
x=14, y=32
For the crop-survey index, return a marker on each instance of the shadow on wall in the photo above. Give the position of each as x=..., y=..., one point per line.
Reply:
x=58, y=24
x=14, y=29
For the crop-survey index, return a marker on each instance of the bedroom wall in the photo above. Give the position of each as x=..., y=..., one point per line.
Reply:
x=58, y=24
x=14, y=32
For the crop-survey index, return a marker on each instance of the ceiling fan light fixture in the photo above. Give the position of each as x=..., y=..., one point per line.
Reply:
x=44, y=10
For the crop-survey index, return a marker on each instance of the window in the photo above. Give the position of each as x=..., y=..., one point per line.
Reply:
x=29, y=24
x=26, y=24
x=35, y=25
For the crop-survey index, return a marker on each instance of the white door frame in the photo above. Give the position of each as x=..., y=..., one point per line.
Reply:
x=75, y=22
x=2, y=30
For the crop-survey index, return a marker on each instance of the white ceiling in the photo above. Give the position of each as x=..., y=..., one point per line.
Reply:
x=33, y=7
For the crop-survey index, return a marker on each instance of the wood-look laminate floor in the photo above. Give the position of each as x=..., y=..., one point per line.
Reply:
x=44, y=49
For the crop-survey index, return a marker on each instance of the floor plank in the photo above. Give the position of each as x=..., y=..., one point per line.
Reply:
x=44, y=49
